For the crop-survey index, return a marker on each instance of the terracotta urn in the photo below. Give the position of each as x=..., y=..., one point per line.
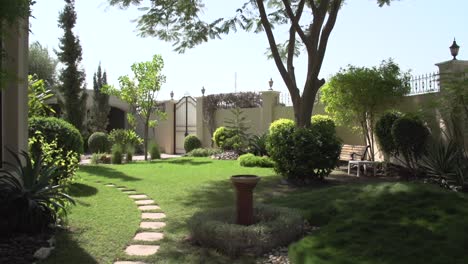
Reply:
x=244, y=185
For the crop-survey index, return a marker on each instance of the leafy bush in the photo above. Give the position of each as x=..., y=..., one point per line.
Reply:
x=250, y=160
x=324, y=123
x=257, y=145
x=273, y=227
x=117, y=153
x=53, y=155
x=383, y=131
x=98, y=158
x=220, y=136
x=444, y=162
x=125, y=138
x=29, y=201
x=191, y=142
x=301, y=154
x=129, y=153
x=67, y=136
x=410, y=136
x=239, y=141
x=98, y=142
x=154, y=151
x=202, y=152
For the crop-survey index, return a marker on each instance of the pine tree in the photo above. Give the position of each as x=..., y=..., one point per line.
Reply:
x=101, y=108
x=73, y=94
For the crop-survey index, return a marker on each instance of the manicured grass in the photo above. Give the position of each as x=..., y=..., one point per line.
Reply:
x=360, y=223
x=382, y=223
x=102, y=223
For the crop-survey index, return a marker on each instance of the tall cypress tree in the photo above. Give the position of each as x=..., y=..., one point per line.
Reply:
x=72, y=78
x=101, y=108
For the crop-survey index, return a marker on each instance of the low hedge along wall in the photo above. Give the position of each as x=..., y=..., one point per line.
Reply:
x=274, y=227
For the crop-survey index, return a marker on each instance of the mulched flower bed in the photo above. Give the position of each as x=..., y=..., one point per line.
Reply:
x=20, y=248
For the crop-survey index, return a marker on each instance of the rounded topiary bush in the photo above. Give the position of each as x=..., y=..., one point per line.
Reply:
x=117, y=153
x=154, y=151
x=191, y=142
x=273, y=227
x=324, y=123
x=302, y=154
x=52, y=128
x=221, y=137
x=98, y=142
x=383, y=132
x=250, y=160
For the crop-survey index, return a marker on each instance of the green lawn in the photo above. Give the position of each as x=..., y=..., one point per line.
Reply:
x=360, y=223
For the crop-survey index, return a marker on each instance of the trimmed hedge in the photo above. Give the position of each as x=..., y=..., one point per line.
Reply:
x=191, y=142
x=250, y=160
x=67, y=136
x=98, y=142
x=203, y=152
x=274, y=227
x=221, y=137
x=302, y=154
x=154, y=151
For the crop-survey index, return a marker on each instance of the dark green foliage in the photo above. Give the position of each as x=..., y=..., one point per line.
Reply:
x=203, y=152
x=72, y=78
x=257, y=145
x=444, y=162
x=28, y=200
x=116, y=154
x=98, y=142
x=155, y=153
x=273, y=227
x=101, y=108
x=410, y=136
x=238, y=127
x=383, y=131
x=191, y=142
x=98, y=158
x=250, y=160
x=67, y=136
x=302, y=154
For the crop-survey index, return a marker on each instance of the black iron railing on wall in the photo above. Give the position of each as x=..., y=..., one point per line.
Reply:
x=423, y=84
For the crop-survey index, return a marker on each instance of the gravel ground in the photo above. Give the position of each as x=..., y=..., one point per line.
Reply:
x=20, y=248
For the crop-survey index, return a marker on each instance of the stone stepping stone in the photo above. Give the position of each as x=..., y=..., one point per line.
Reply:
x=148, y=207
x=138, y=196
x=129, y=262
x=152, y=225
x=153, y=215
x=149, y=236
x=141, y=250
x=144, y=202
x=129, y=192
x=121, y=188
x=110, y=185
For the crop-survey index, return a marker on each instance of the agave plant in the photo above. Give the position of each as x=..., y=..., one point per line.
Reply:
x=27, y=196
x=445, y=163
x=257, y=145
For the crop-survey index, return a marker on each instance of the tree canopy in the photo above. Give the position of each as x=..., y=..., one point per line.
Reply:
x=140, y=93
x=357, y=95
x=42, y=64
x=310, y=23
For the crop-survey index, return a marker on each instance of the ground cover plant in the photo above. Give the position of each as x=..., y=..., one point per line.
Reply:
x=359, y=222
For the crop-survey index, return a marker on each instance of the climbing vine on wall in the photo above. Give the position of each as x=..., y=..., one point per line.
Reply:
x=213, y=102
x=10, y=12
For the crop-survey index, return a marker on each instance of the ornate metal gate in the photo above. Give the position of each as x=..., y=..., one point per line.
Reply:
x=185, y=121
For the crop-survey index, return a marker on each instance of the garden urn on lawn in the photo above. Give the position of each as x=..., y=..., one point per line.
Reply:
x=244, y=185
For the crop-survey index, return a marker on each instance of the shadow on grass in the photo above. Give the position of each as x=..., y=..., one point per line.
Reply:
x=68, y=251
x=107, y=172
x=381, y=223
x=82, y=190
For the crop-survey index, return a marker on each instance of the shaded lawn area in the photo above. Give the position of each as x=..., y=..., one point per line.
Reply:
x=360, y=223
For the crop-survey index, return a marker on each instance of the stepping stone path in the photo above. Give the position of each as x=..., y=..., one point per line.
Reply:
x=152, y=221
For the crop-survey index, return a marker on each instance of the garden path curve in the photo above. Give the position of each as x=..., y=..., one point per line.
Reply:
x=146, y=240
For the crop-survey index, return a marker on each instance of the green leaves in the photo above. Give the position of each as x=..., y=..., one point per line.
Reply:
x=37, y=95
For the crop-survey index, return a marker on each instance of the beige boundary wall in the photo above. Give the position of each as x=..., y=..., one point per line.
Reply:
x=261, y=118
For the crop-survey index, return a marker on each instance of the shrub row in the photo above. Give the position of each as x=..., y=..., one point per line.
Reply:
x=250, y=160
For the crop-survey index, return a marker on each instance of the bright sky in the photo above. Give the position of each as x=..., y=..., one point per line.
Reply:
x=415, y=33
